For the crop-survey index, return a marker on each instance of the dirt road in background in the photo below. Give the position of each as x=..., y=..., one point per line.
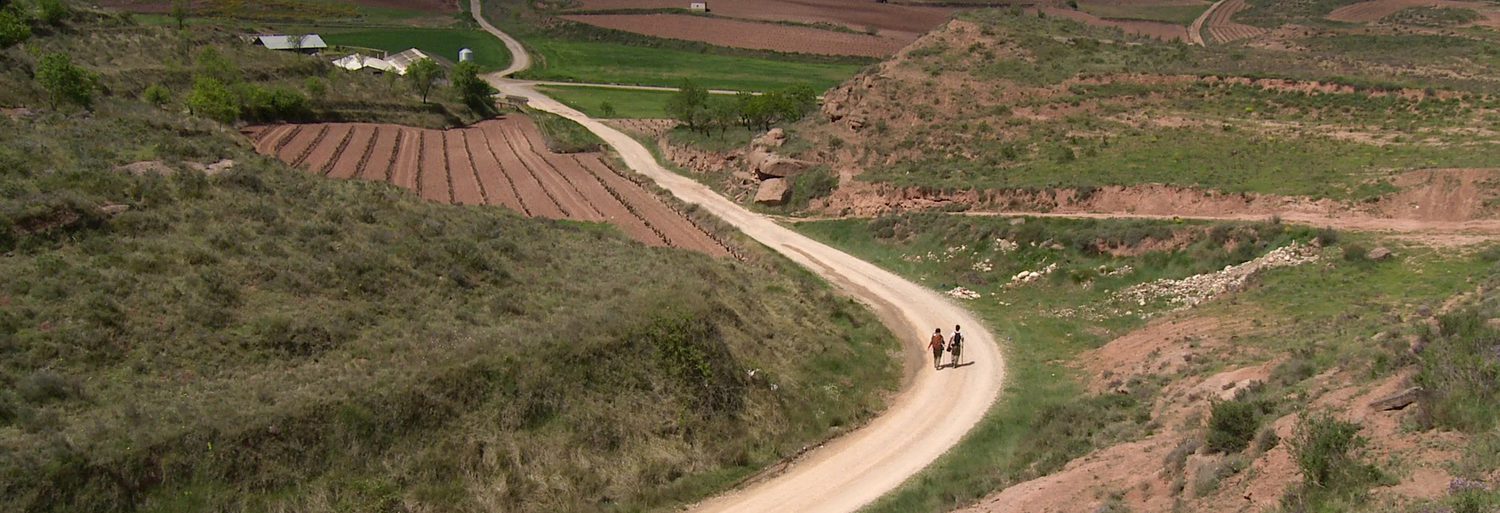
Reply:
x=930, y=415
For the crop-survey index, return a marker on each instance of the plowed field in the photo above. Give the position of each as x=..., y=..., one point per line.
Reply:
x=747, y=34
x=1222, y=29
x=499, y=162
x=901, y=21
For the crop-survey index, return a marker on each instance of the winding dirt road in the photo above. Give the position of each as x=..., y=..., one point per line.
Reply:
x=934, y=410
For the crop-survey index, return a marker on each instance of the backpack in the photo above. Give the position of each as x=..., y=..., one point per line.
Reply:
x=958, y=338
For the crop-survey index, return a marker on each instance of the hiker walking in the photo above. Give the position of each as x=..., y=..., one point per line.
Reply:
x=956, y=344
x=937, y=347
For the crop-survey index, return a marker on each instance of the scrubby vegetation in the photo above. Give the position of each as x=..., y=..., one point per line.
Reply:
x=1317, y=319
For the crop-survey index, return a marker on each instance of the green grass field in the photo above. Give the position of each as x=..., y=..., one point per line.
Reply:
x=614, y=63
x=626, y=103
x=443, y=43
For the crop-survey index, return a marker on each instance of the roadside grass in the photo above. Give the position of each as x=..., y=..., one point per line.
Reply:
x=564, y=135
x=1433, y=16
x=1174, y=14
x=1322, y=315
x=626, y=103
x=442, y=43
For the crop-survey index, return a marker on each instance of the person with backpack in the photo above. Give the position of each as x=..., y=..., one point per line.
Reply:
x=937, y=347
x=956, y=345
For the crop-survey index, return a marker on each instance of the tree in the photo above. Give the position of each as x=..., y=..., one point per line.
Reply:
x=66, y=83
x=473, y=90
x=723, y=113
x=213, y=100
x=689, y=105
x=180, y=11
x=13, y=29
x=423, y=75
x=607, y=109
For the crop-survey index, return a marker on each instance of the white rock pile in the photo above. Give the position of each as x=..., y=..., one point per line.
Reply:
x=1031, y=276
x=963, y=293
x=1196, y=289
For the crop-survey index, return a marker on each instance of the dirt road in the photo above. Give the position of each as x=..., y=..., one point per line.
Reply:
x=934, y=410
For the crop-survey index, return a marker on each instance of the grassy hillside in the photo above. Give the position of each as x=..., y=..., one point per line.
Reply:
x=266, y=340
x=1003, y=99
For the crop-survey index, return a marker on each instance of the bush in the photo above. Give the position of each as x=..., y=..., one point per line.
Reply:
x=1327, y=452
x=13, y=29
x=1232, y=425
x=1355, y=252
x=1459, y=373
x=212, y=99
x=52, y=12
x=46, y=386
x=477, y=94
x=275, y=104
x=157, y=95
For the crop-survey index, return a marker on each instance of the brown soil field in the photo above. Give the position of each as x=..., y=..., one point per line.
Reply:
x=747, y=34
x=165, y=6
x=500, y=162
x=1375, y=10
x=1221, y=29
x=900, y=21
x=1158, y=30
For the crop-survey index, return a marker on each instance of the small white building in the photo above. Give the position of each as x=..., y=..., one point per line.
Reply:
x=466, y=55
x=358, y=62
x=399, y=62
x=308, y=43
x=698, y=7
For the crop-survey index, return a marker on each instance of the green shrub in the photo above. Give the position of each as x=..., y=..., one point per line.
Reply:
x=1328, y=453
x=212, y=99
x=1459, y=374
x=1355, y=252
x=1231, y=425
x=13, y=28
x=157, y=95
x=52, y=12
x=316, y=87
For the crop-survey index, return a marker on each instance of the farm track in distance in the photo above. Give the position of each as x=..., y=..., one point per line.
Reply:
x=501, y=162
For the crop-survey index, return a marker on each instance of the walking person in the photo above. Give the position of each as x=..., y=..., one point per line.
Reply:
x=937, y=346
x=956, y=345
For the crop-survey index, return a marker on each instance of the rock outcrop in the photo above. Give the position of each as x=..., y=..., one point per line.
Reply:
x=773, y=192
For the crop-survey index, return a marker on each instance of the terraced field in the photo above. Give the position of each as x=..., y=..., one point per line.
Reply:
x=500, y=162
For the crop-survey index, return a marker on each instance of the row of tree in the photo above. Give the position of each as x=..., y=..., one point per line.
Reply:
x=699, y=110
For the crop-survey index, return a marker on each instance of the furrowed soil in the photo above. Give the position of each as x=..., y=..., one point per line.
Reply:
x=900, y=21
x=747, y=34
x=500, y=162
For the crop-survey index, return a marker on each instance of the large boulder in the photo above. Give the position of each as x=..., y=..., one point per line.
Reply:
x=756, y=157
x=773, y=138
x=1378, y=254
x=1398, y=400
x=774, y=191
x=777, y=166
